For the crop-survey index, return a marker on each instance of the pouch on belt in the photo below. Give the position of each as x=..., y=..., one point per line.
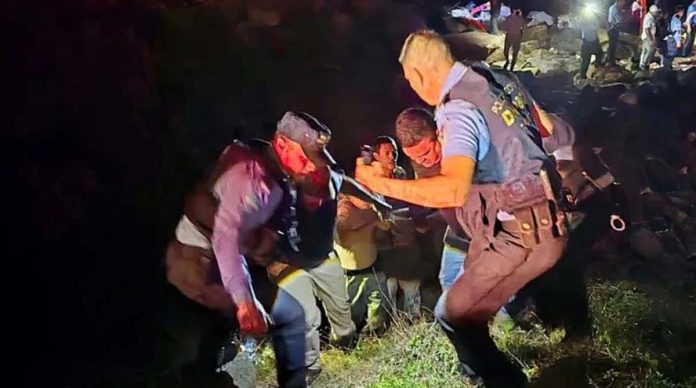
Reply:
x=530, y=199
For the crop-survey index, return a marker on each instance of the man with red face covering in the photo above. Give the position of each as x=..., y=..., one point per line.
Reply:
x=497, y=177
x=268, y=210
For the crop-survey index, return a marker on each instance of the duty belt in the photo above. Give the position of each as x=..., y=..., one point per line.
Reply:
x=537, y=216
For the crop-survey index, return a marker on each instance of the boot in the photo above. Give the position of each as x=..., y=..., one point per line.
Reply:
x=480, y=358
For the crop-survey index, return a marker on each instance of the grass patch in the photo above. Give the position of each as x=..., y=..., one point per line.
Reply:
x=415, y=355
x=643, y=339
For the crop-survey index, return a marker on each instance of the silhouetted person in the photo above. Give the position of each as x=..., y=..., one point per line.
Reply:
x=590, y=44
x=495, y=14
x=615, y=20
x=513, y=27
x=648, y=37
x=673, y=39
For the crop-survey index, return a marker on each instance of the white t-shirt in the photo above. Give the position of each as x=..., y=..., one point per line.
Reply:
x=649, y=26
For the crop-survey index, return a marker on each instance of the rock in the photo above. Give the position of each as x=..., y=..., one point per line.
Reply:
x=566, y=22
x=549, y=63
x=474, y=45
x=627, y=47
x=581, y=83
x=539, y=33
x=496, y=56
x=612, y=74
x=528, y=47
x=455, y=26
x=525, y=68
x=566, y=41
x=539, y=17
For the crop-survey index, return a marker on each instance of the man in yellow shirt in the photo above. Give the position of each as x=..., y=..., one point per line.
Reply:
x=357, y=250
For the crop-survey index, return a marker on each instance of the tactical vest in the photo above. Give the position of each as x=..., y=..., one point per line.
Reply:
x=516, y=175
x=305, y=238
x=515, y=143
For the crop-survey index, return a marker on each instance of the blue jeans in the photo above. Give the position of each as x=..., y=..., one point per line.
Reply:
x=288, y=336
x=285, y=316
x=302, y=287
x=451, y=266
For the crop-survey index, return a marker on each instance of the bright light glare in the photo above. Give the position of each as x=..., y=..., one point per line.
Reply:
x=590, y=9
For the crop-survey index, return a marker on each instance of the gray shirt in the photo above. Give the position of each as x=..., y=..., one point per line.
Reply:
x=589, y=31
x=614, y=18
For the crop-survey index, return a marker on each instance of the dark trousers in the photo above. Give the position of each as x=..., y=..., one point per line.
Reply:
x=480, y=357
x=192, y=336
x=560, y=295
x=586, y=51
x=493, y=273
x=613, y=44
x=667, y=61
x=689, y=46
x=514, y=42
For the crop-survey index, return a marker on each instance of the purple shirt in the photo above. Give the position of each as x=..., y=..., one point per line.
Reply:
x=514, y=25
x=248, y=198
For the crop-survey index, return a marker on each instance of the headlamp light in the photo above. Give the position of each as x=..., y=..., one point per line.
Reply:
x=589, y=9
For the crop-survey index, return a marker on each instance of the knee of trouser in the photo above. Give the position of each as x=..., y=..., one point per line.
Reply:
x=288, y=314
x=442, y=315
x=451, y=310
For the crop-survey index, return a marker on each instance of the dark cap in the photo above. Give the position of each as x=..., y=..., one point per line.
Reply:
x=309, y=133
